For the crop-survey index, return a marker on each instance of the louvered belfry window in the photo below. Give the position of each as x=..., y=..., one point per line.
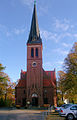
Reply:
x=32, y=52
x=36, y=52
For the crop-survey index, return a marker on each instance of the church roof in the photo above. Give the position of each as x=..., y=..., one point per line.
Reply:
x=49, y=78
x=21, y=83
x=22, y=80
x=34, y=35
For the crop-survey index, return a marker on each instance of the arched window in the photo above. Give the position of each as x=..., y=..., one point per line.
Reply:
x=36, y=52
x=32, y=52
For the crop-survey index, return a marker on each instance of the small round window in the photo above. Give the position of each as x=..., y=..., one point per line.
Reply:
x=34, y=64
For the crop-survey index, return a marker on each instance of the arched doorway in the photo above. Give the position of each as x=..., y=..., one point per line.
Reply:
x=34, y=100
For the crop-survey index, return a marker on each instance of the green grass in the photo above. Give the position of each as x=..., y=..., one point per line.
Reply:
x=55, y=116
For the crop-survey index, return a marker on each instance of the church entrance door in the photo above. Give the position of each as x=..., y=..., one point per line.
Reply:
x=34, y=101
x=23, y=101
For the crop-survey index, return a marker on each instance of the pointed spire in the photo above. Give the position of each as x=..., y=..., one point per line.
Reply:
x=34, y=1
x=34, y=36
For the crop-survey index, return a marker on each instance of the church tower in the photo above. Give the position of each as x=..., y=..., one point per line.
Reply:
x=36, y=86
x=34, y=64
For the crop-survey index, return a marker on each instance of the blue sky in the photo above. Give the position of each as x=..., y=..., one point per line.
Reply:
x=58, y=28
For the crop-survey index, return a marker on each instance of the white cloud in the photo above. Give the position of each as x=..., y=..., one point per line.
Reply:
x=4, y=30
x=59, y=62
x=27, y=2
x=48, y=64
x=42, y=10
x=48, y=35
x=64, y=26
x=14, y=31
x=70, y=35
x=66, y=45
x=60, y=51
x=19, y=31
x=57, y=37
x=75, y=35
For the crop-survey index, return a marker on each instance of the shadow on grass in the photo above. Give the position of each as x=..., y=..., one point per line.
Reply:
x=55, y=116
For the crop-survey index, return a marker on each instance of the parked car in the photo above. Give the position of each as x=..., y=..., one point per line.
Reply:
x=69, y=112
x=57, y=109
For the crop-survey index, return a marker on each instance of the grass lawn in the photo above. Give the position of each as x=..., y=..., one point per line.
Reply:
x=55, y=116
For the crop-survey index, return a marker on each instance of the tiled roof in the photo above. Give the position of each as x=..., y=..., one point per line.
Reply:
x=21, y=83
x=49, y=78
x=22, y=80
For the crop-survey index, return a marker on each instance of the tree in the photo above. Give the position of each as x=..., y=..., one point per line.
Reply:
x=11, y=93
x=60, y=84
x=3, y=81
x=7, y=89
x=70, y=67
x=67, y=80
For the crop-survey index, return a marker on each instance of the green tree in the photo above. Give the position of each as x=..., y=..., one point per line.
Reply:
x=11, y=94
x=60, y=84
x=70, y=67
x=7, y=89
x=67, y=80
x=3, y=81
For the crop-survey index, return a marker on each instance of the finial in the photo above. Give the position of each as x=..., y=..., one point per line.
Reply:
x=34, y=2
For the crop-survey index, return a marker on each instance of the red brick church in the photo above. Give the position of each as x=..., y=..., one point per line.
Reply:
x=36, y=86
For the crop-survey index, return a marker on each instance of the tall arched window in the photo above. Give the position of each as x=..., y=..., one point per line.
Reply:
x=32, y=52
x=36, y=52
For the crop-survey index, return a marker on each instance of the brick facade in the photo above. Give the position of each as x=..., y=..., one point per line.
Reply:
x=35, y=85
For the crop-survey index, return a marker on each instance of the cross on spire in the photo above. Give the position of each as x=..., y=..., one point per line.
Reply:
x=34, y=1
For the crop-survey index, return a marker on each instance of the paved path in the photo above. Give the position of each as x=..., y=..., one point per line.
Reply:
x=21, y=115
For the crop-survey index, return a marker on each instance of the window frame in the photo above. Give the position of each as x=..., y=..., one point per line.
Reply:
x=36, y=52
x=32, y=52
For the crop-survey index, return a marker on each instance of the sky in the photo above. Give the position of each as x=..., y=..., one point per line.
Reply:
x=57, y=21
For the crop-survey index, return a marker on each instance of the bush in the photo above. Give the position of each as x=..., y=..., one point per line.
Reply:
x=18, y=106
x=1, y=102
x=60, y=102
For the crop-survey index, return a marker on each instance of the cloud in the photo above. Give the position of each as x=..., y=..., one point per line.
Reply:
x=27, y=2
x=48, y=35
x=19, y=31
x=59, y=62
x=57, y=37
x=4, y=30
x=66, y=44
x=47, y=65
x=75, y=35
x=42, y=10
x=51, y=65
x=14, y=31
x=62, y=25
x=60, y=51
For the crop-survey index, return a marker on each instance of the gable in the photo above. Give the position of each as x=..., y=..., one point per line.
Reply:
x=22, y=80
x=49, y=79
